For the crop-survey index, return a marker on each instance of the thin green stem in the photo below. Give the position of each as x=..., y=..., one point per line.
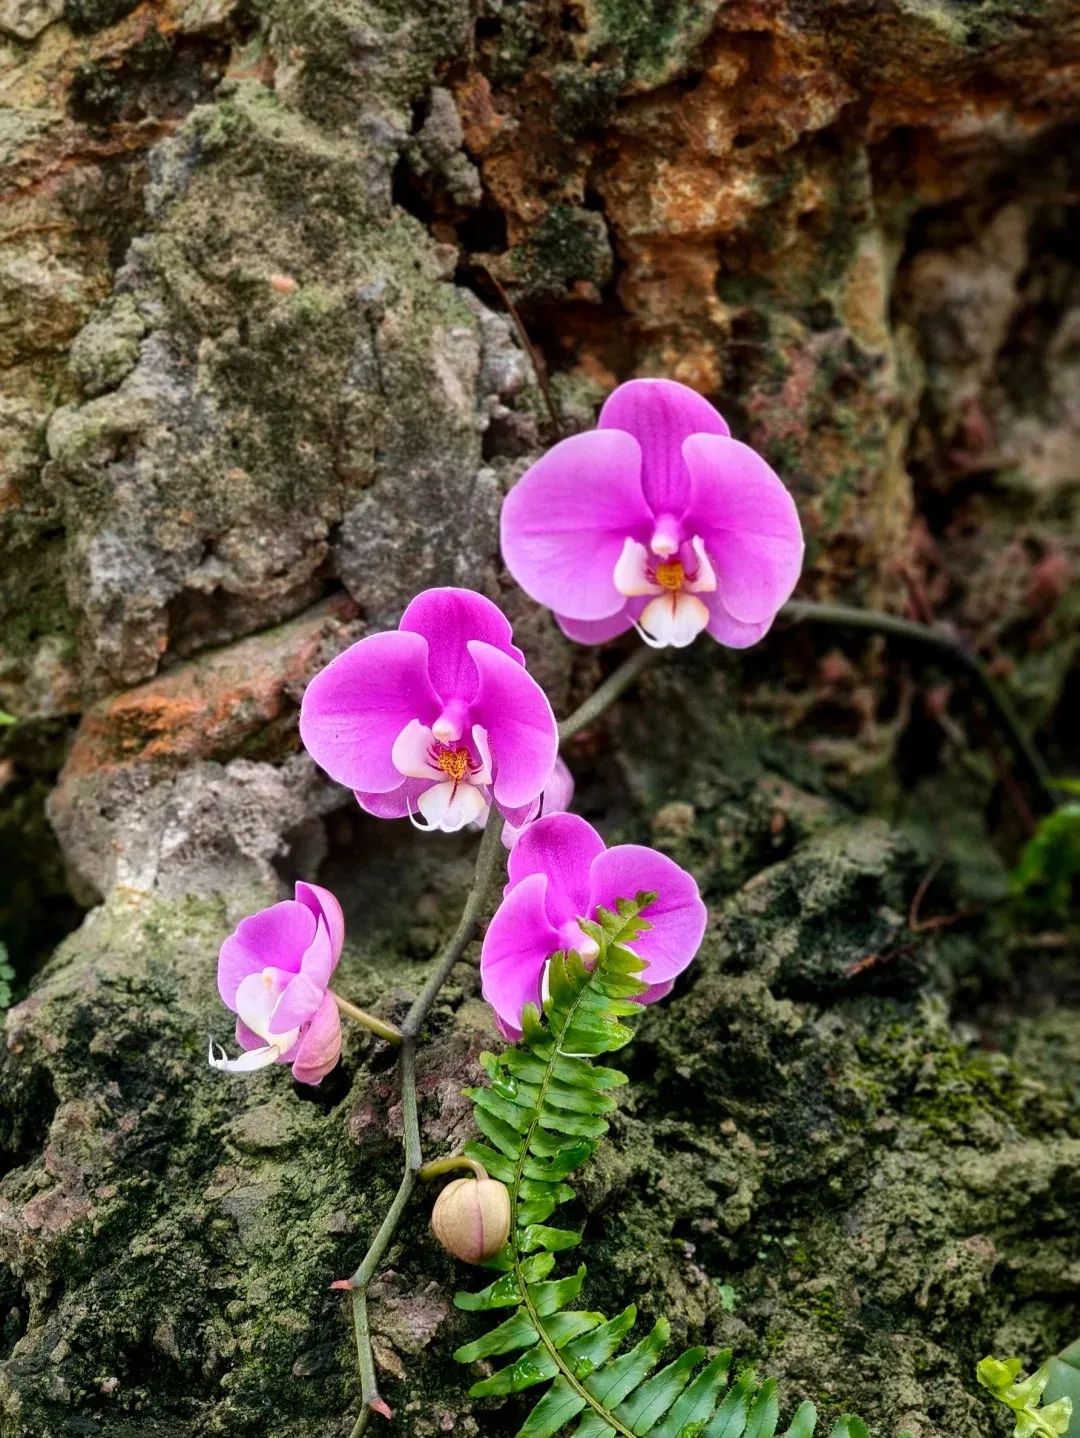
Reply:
x=390, y=1032
x=438, y=1166
x=606, y=693
x=477, y=904
x=487, y=861
x=365, y=1359
x=950, y=650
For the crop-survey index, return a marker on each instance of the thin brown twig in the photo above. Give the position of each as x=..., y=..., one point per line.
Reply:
x=916, y=925
x=951, y=650
x=539, y=368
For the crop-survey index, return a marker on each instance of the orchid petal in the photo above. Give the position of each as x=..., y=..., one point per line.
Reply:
x=677, y=914
x=555, y=799
x=598, y=631
x=749, y=522
x=655, y=992
x=451, y=806
x=631, y=572
x=398, y=803
x=517, y=945
x=319, y=961
x=320, y=1046
x=448, y=619
x=355, y=708
x=412, y=752
x=565, y=521
x=322, y=903
x=560, y=788
x=674, y=620
x=296, y=1006
x=729, y=631
x=661, y=414
x=235, y=963
x=284, y=1043
x=273, y=938
x=561, y=847
x=520, y=727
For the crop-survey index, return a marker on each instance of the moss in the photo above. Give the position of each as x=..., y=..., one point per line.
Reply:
x=653, y=38
x=88, y=15
x=585, y=99
x=568, y=245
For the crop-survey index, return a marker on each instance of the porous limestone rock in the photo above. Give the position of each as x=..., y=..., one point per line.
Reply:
x=260, y=386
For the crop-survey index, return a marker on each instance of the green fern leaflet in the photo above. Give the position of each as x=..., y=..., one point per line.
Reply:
x=542, y=1113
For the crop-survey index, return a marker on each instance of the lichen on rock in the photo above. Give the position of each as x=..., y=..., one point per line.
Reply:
x=260, y=388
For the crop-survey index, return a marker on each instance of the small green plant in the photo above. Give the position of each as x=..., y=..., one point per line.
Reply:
x=7, y=980
x=1002, y=1378
x=542, y=1112
x=1046, y=878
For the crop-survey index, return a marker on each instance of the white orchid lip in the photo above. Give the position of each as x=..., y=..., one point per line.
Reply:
x=257, y=999
x=459, y=792
x=673, y=575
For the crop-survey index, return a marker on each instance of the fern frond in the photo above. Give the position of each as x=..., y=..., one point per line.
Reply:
x=1024, y=1395
x=542, y=1112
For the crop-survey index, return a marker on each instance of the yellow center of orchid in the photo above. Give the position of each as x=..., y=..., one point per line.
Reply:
x=670, y=576
x=454, y=763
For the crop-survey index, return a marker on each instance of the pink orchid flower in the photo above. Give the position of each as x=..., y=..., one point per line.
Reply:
x=439, y=717
x=656, y=519
x=560, y=872
x=273, y=972
x=558, y=793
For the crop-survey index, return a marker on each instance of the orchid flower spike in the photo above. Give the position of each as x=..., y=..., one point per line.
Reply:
x=656, y=519
x=560, y=873
x=273, y=972
x=438, y=719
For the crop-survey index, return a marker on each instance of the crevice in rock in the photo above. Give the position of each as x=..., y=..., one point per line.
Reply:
x=25, y=1119
x=37, y=906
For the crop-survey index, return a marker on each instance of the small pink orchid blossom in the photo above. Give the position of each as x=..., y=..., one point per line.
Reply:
x=656, y=519
x=439, y=718
x=560, y=873
x=273, y=972
x=556, y=798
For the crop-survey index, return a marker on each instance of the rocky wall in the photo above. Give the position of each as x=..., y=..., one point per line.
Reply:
x=260, y=386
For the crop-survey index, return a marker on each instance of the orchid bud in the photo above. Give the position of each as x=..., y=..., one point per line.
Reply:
x=471, y=1218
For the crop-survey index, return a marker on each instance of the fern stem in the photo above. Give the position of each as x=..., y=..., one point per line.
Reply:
x=955, y=652
x=605, y=694
x=523, y=1287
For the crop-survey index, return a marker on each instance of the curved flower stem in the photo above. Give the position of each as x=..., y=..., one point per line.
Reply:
x=954, y=652
x=438, y=1166
x=607, y=692
x=390, y=1032
x=487, y=862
